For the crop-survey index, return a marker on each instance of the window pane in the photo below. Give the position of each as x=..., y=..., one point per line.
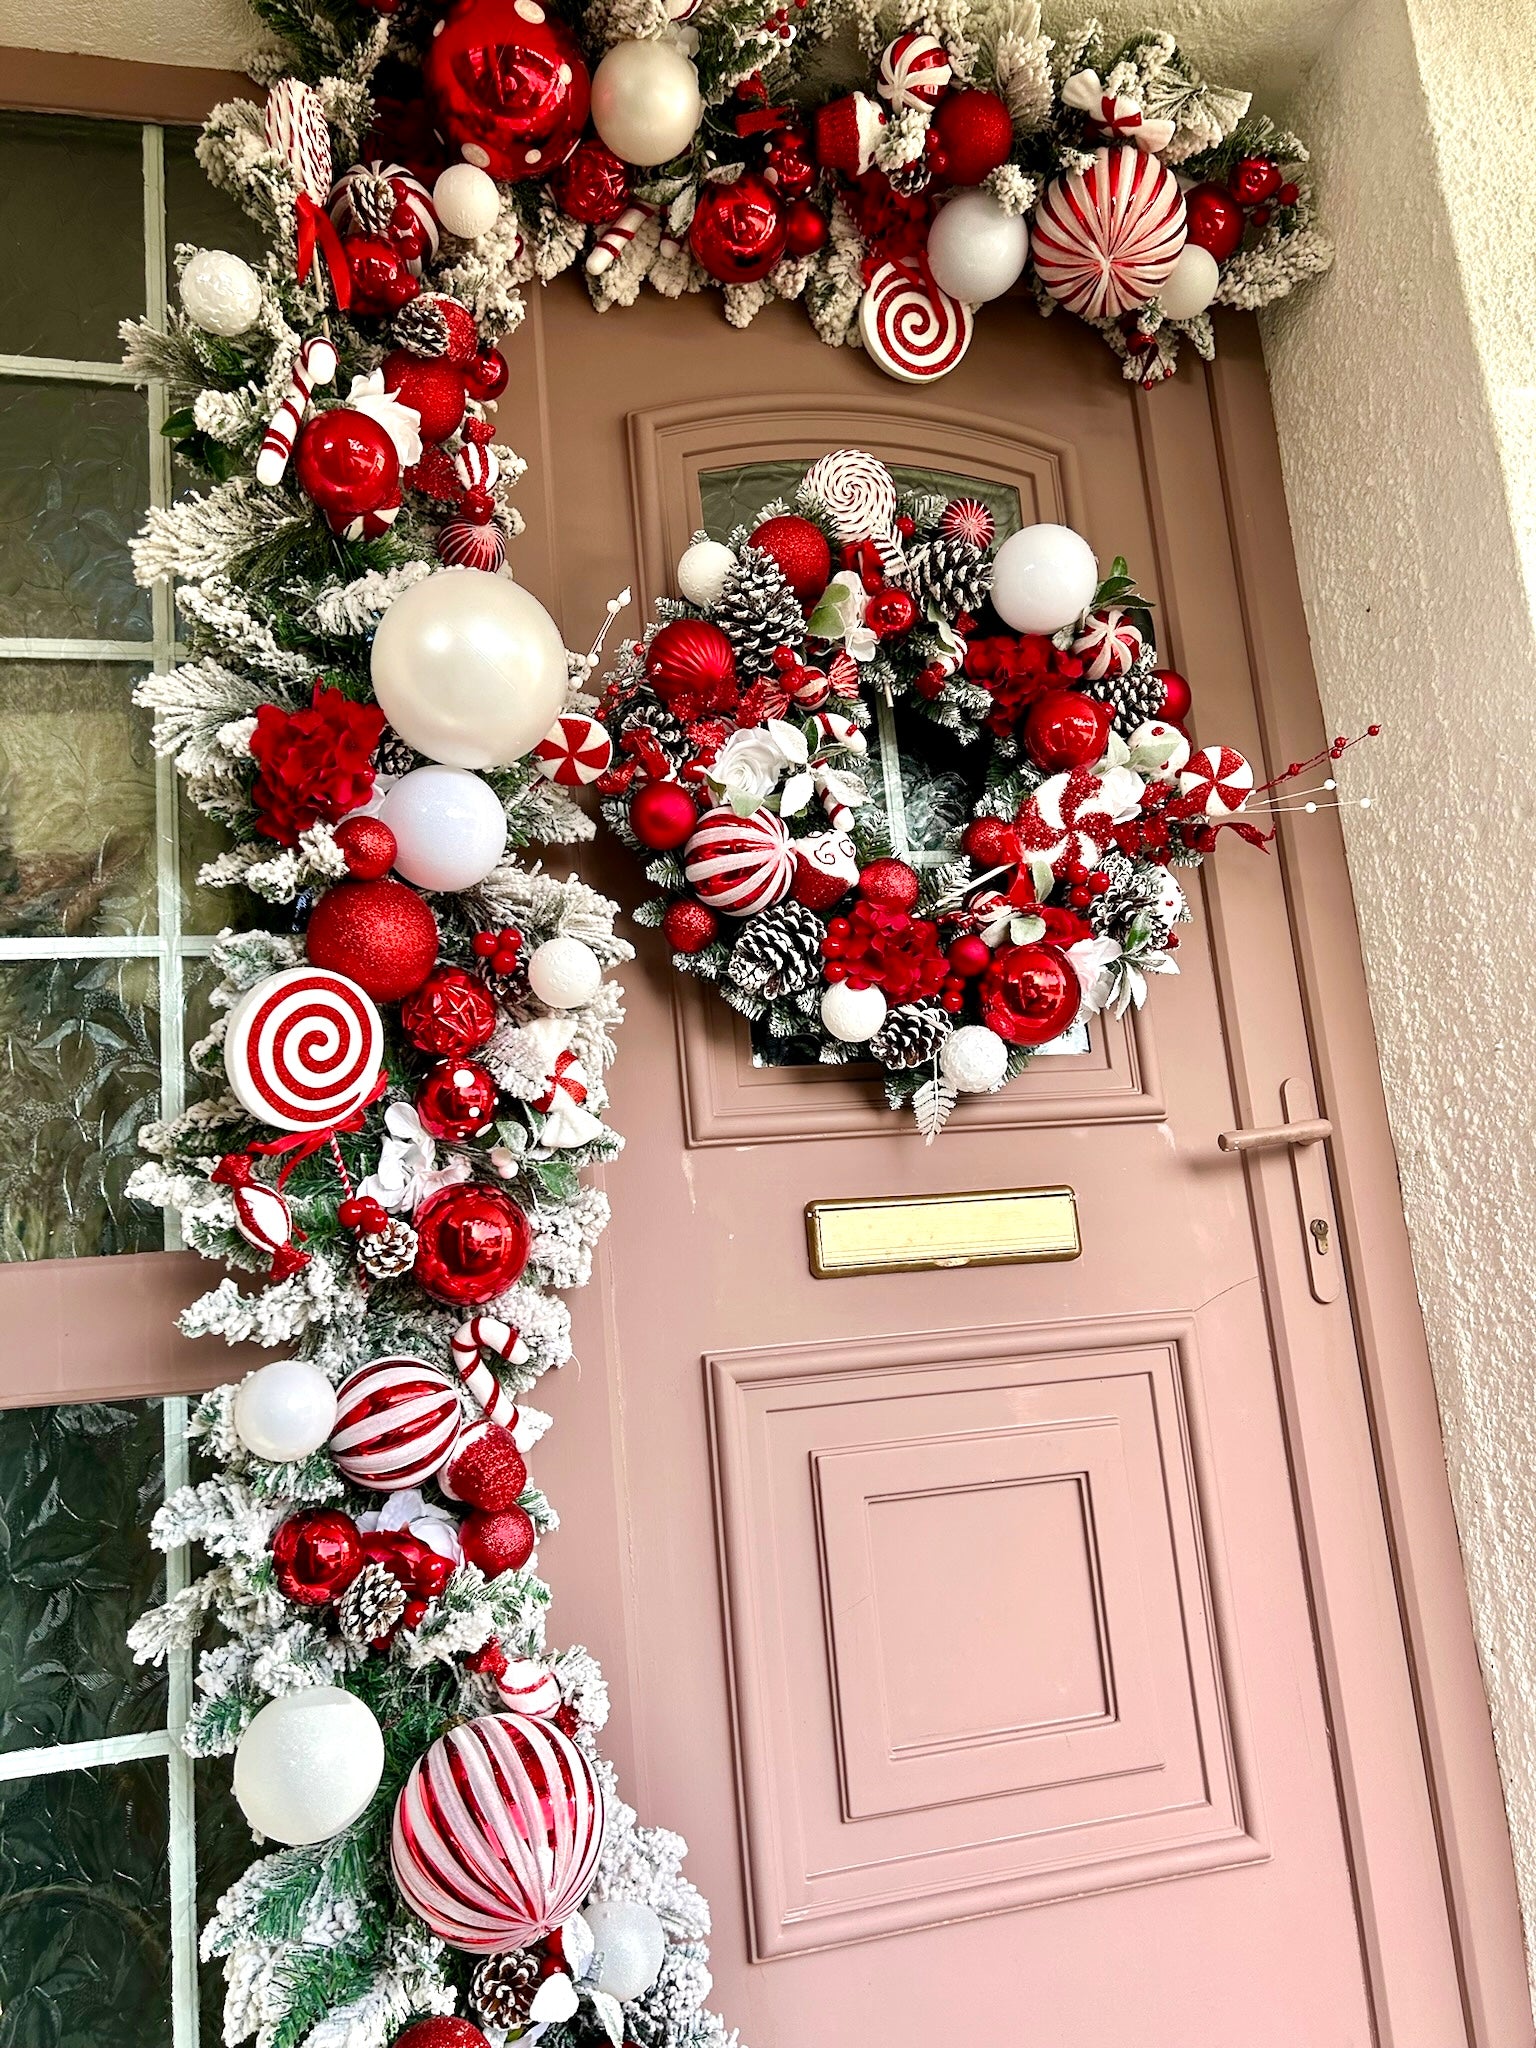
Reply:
x=79, y=1485
x=77, y=801
x=224, y=1852
x=196, y=212
x=74, y=485
x=731, y=497
x=71, y=235
x=79, y=1040
x=85, y=1909
x=210, y=910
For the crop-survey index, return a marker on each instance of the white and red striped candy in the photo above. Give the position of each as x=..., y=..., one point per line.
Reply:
x=295, y=126
x=1068, y=821
x=968, y=519
x=409, y=192
x=616, y=238
x=1117, y=116
x=487, y=1334
x=497, y=1833
x=314, y=363
x=397, y=1420
x=1220, y=777
x=740, y=865
x=477, y=466
x=1107, y=644
x=303, y=1049
x=912, y=330
x=462, y=544
x=529, y=1687
x=1103, y=240
x=575, y=750
x=854, y=492
x=914, y=70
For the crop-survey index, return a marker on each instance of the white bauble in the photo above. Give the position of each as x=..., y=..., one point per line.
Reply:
x=646, y=103
x=1158, y=749
x=702, y=570
x=308, y=1764
x=221, y=293
x=466, y=201
x=564, y=973
x=1191, y=285
x=853, y=1014
x=449, y=826
x=975, y=249
x=1043, y=578
x=632, y=1942
x=468, y=668
x=973, y=1059
x=284, y=1410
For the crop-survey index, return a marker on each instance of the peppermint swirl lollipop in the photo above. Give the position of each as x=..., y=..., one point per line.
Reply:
x=303, y=1049
x=854, y=492
x=914, y=333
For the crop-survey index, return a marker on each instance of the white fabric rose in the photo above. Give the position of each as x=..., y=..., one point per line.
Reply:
x=748, y=768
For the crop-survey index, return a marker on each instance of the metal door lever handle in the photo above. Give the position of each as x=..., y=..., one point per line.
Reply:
x=1277, y=1137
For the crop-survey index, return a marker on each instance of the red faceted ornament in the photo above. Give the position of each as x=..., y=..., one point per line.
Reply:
x=738, y=230
x=1213, y=220
x=487, y=376
x=970, y=955
x=1177, y=695
x=472, y=1242
x=346, y=462
x=890, y=885
x=662, y=816
x=592, y=185
x=1255, y=179
x=890, y=612
x=689, y=927
x=509, y=84
x=490, y=1472
x=381, y=276
x=800, y=548
x=457, y=1100
x=434, y=389
x=975, y=135
x=805, y=229
x=1029, y=994
x=441, y=2032
x=1067, y=730
x=367, y=846
x=692, y=668
x=498, y=1543
x=316, y=1554
x=450, y=1015
x=990, y=842
x=381, y=934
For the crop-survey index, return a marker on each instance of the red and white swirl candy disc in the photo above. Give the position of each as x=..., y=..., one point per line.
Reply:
x=1107, y=643
x=854, y=493
x=914, y=71
x=913, y=331
x=303, y=1049
x=575, y=750
x=397, y=1420
x=1104, y=239
x=294, y=125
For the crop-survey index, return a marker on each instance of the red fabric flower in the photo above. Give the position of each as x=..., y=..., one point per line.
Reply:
x=895, y=224
x=1063, y=927
x=886, y=949
x=314, y=764
x=1016, y=669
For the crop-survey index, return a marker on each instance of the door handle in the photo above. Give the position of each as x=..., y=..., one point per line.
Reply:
x=1275, y=1137
x=1301, y=1135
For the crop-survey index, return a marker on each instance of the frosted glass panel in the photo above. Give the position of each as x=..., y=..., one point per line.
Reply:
x=71, y=234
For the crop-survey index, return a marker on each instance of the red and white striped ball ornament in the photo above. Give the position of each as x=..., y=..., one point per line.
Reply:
x=969, y=520
x=1220, y=778
x=303, y=1049
x=410, y=193
x=1107, y=643
x=477, y=466
x=1103, y=240
x=911, y=329
x=575, y=750
x=914, y=70
x=470, y=544
x=739, y=866
x=529, y=1687
x=397, y=1421
x=294, y=125
x=497, y=1833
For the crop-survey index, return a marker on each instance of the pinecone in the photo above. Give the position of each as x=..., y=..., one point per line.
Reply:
x=503, y=1987
x=370, y=1606
x=949, y=576
x=911, y=1035
x=1134, y=887
x=778, y=952
x=436, y=325
x=372, y=200
x=1136, y=697
x=392, y=756
x=389, y=1252
x=757, y=611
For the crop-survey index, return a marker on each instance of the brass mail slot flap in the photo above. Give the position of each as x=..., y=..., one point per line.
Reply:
x=916, y=1233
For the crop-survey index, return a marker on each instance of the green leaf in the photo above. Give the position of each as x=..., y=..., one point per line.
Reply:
x=557, y=1178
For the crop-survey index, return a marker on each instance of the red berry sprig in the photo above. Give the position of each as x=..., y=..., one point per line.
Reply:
x=500, y=951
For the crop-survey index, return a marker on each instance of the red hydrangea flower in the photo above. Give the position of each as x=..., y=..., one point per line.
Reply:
x=886, y=949
x=315, y=764
x=1016, y=669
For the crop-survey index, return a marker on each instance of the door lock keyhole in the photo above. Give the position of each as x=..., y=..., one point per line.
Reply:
x=1319, y=1230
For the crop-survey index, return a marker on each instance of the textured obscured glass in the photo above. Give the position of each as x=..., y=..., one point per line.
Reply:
x=74, y=486
x=211, y=910
x=224, y=1851
x=732, y=497
x=71, y=235
x=198, y=212
x=79, y=1042
x=77, y=1488
x=77, y=801
x=85, y=1959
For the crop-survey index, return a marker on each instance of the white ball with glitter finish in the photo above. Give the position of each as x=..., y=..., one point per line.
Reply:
x=853, y=1014
x=1158, y=749
x=221, y=293
x=631, y=1943
x=646, y=103
x=702, y=570
x=1043, y=578
x=1190, y=285
x=284, y=1410
x=564, y=973
x=974, y=1060
x=308, y=1764
x=449, y=826
x=976, y=250
x=466, y=201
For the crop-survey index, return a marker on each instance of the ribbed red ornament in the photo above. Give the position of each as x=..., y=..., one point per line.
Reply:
x=381, y=934
x=738, y=230
x=509, y=84
x=592, y=185
x=433, y=388
x=472, y=1242
x=451, y=1014
x=800, y=548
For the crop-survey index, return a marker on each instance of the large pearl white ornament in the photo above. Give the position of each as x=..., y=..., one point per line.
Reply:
x=974, y=1060
x=975, y=249
x=1043, y=578
x=564, y=973
x=632, y=1944
x=1190, y=285
x=284, y=1410
x=308, y=1764
x=468, y=668
x=449, y=826
x=646, y=103
x=853, y=1014
x=221, y=293
x=702, y=570
x=466, y=201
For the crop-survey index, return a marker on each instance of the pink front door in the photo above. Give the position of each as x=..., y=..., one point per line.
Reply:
x=1017, y=1646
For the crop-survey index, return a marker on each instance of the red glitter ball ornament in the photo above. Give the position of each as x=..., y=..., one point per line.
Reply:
x=444, y=2031
x=738, y=230
x=975, y=133
x=1066, y=730
x=805, y=229
x=498, y=1543
x=662, y=815
x=316, y=1554
x=382, y=934
x=367, y=846
x=1029, y=994
x=450, y=1015
x=800, y=548
x=509, y=85
x=1213, y=220
x=990, y=842
x=490, y=1472
x=457, y=1100
x=1178, y=698
x=592, y=185
x=472, y=1242
x=689, y=927
x=970, y=955
x=890, y=885
x=692, y=668
x=346, y=462
x=434, y=388
x=487, y=377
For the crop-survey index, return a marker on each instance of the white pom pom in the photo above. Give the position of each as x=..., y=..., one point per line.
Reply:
x=632, y=1944
x=852, y=1014
x=466, y=201
x=702, y=570
x=974, y=1060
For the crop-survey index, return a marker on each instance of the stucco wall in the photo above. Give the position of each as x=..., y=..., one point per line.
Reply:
x=1405, y=391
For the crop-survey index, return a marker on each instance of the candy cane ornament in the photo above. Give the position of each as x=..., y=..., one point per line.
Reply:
x=315, y=363
x=616, y=238
x=486, y=1333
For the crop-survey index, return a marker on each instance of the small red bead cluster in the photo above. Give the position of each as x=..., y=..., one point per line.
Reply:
x=500, y=951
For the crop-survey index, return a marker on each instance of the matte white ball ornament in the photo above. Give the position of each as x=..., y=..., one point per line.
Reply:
x=646, y=103
x=308, y=1764
x=702, y=570
x=564, y=973
x=466, y=201
x=1191, y=284
x=468, y=668
x=975, y=249
x=221, y=293
x=632, y=1944
x=1043, y=578
x=284, y=1410
x=852, y=1014
x=449, y=826
x=974, y=1060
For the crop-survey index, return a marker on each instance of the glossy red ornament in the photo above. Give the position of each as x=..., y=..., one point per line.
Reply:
x=990, y=842
x=421, y=1570
x=498, y=1543
x=489, y=1472
x=445, y=2031
x=1029, y=994
x=1177, y=695
x=805, y=229
x=367, y=846
x=1255, y=179
x=662, y=816
x=689, y=927
x=592, y=185
x=692, y=668
x=970, y=955
x=789, y=167
x=1213, y=220
x=509, y=85
x=890, y=885
x=738, y=230
x=487, y=376
x=381, y=276
x=451, y=1015
x=346, y=462
x=472, y=1242
x=381, y=934
x=890, y=611
x=457, y=1100
x=975, y=134
x=316, y=1554
x=800, y=548
x=1065, y=729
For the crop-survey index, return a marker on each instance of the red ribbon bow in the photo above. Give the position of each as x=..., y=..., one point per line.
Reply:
x=560, y=1080
x=305, y=1144
x=318, y=230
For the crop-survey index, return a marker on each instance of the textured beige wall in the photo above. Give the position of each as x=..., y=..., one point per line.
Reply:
x=1405, y=391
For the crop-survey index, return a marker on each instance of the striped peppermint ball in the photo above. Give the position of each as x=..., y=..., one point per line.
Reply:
x=1103, y=240
x=497, y=1833
x=1107, y=644
x=914, y=70
x=969, y=520
x=739, y=865
x=529, y=1687
x=397, y=1420
x=466, y=544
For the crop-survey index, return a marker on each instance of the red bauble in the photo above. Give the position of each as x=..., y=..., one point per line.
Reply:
x=592, y=185
x=457, y=1100
x=1177, y=696
x=434, y=389
x=316, y=1554
x=487, y=376
x=789, y=167
x=489, y=1473
x=990, y=842
x=692, y=668
x=446, y=2032
x=421, y=1570
x=805, y=229
x=498, y=1543
x=975, y=132
x=347, y=463
x=662, y=816
x=801, y=551
x=1065, y=729
x=509, y=84
x=689, y=927
x=1255, y=179
x=472, y=1242
x=970, y=955
x=367, y=846
x=738, y=230
x=1213, y=220
x=382, y=934
x=890, y=611
x=381, y=277
x=450, y=1015
x=818, y=884
x=1029, y=994
x=890, y=885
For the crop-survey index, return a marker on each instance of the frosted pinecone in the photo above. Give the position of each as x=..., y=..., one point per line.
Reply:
x=757, y=611
x=430, y=325
x=392, y=756
x=779, y=952
x=372, y=201
x=370, y=1606
x=911, y=1035
x=502, y=1989
x=389, y=1252
x=1132, y=886
x=1136, y=697
x=949, y=576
